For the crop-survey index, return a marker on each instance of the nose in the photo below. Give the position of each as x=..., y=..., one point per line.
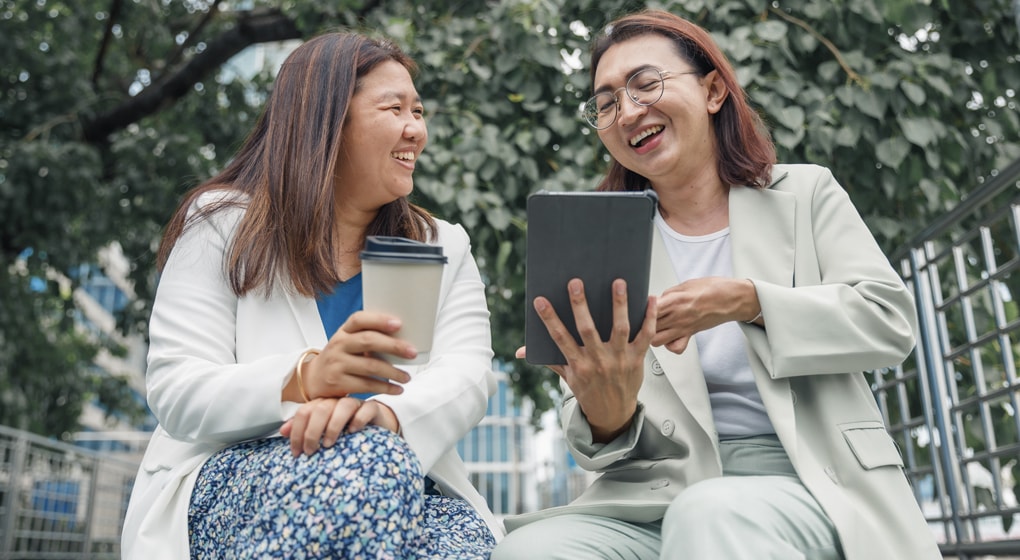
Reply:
x=415, y=129
x=628, y=110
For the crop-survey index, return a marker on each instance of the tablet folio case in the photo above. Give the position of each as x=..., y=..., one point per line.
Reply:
x=594, y=236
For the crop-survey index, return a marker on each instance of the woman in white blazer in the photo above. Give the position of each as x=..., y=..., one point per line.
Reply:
x=257, y=341
x=737, y=424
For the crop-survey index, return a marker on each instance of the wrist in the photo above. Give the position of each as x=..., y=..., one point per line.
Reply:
x=605, y=432
x=755, y=302
x=301, y=372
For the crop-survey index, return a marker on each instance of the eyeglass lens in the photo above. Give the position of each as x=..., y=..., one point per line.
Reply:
x=643, y=88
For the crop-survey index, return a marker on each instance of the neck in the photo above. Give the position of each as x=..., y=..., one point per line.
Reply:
x=349, y=229
x=696, y=207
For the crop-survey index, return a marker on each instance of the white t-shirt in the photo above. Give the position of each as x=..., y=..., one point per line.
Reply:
x=736, y=404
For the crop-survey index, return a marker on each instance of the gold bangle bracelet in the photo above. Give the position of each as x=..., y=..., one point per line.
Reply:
x=297, y=371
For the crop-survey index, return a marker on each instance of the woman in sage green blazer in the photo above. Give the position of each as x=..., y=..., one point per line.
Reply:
x=737, y=424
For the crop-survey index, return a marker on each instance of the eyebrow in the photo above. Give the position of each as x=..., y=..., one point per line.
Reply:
x=630, y=73
x=394, y=94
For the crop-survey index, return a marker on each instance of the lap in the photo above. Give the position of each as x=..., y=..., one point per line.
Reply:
x=759, y=509
x=363, y=497
x=573, y=536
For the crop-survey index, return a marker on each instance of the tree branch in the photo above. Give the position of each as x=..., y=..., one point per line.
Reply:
x=828, y=44
x=111, y=20
x=192, y=35
x=252, y=28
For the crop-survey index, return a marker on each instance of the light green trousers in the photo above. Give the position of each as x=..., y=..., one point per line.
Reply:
x=758, y=510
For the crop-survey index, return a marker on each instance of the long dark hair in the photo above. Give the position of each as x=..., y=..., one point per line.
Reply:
x=285, y=171
x=745, y=149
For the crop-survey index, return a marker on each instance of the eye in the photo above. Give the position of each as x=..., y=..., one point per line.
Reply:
x=419, y=111
x=649, y=84
x=605, y=103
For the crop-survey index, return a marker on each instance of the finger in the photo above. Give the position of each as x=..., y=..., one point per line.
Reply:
x=297, y=430
x=368, y=342
x=679, y=345
x=285, y=428
x=368, y=374
x=371, y=321
x=557, y=331
x=646, y=335
x=521, y=352
x=621, y=319
x=343, y=369
x=342, y=413
x=582, y=315
x=664, y=337
x=362, y=416
x=316, y=425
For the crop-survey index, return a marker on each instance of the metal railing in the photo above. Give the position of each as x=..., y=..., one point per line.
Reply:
x=952, y=407
x=59, y=501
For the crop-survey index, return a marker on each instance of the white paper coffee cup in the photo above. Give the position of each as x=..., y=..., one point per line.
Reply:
x=402, y=277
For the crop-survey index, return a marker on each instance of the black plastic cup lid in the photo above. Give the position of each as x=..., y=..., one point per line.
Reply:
x=401, y=249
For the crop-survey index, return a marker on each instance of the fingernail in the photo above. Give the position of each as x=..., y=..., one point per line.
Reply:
x=620, y=288
x=393, y=323
x=574, y=288
x=540, y=305
x=410, y=351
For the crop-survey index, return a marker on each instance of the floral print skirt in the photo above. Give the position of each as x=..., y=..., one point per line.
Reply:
x=363, y=498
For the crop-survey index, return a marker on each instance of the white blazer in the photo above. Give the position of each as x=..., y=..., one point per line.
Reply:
x=217, y=364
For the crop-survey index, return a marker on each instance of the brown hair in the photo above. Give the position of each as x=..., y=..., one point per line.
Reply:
x=285, y=172
x=746, y=152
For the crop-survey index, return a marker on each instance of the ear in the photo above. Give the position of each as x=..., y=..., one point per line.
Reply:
x=716, y=90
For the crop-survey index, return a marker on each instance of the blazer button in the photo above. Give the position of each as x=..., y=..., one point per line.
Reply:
x=656, y=367
x=667, y=427
x=661, y=483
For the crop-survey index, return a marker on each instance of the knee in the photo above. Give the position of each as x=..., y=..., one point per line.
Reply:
x=705, y=503
x=541, y=540
x=377, y=453
x=523, y=544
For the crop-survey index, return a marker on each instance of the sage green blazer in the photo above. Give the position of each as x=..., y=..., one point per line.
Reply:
x=833, y=307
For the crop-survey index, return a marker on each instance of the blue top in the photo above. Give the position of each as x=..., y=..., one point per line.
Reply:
x=335, y=308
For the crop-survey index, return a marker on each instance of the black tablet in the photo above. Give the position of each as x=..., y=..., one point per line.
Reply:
x=597, y=237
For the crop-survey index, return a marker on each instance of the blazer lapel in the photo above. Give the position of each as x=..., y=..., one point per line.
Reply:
x=682, y=370
x=763, y=235
x=764, y=242
x=306, y=313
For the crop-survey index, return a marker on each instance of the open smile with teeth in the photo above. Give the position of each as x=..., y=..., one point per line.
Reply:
x=636, y=140
x=406, y=156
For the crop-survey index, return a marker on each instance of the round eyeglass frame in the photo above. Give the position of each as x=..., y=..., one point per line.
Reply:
x=590, y=109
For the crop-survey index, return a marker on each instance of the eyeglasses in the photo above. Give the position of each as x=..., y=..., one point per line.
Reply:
x=644, y=88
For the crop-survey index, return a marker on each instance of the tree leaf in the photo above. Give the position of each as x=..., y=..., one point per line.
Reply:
x=891, y=151
x=919, y=131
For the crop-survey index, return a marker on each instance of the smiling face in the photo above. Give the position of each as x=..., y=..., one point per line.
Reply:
x=671, y=141
x=383, y=136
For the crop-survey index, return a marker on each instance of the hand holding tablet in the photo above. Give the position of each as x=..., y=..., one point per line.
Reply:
x=597, y=237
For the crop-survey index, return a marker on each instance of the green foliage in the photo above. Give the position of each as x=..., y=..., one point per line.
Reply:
x=912, y=104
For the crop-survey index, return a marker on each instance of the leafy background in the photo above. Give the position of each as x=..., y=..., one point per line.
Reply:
x=111, y=109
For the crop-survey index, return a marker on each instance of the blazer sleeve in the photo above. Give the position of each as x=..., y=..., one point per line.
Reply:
x=449, y=395
x=856, y=315
x=193, y=379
